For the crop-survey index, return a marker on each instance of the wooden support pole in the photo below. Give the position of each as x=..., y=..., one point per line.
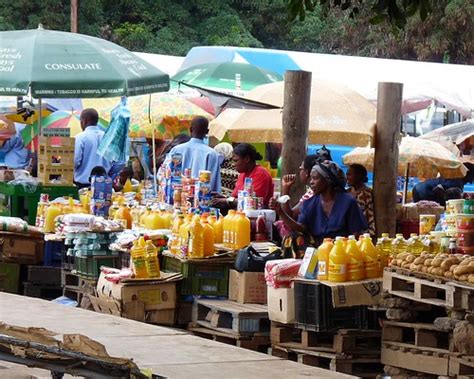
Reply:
x=387, y=140
x=297, y=95
x=74, y=16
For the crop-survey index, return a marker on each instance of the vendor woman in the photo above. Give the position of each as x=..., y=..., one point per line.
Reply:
x=245, y=158
x=331, y=212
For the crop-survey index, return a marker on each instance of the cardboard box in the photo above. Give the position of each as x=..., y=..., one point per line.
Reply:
x=281, y=305
x=349, y=294
x=154, y=294
x=247, y=287
x=21, y=249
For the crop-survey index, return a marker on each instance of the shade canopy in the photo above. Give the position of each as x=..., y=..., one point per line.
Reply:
x=423, y=158
x=338, y=116
x=54, y=64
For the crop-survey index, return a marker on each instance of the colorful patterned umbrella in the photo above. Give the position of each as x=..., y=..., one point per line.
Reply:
x=422, y=158
x=170, y=115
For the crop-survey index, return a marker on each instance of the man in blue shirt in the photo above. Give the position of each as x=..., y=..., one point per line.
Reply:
x=197, y=156
x=85, y=152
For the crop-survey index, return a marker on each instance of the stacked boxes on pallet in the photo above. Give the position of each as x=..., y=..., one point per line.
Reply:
x=56, y=160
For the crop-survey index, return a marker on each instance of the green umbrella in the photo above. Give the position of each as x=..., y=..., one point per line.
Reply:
x=227, y=75
x=56, y=64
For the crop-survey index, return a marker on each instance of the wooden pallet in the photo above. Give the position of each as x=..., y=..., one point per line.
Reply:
x=461, y=366
x=76, y=287
x=418, y=335
x=255, y=342
x=362, y=366
x=347, y=342
x=428, y=360
x=231, y=317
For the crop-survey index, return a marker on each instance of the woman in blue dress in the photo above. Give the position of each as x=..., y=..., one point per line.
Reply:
x=331, y=212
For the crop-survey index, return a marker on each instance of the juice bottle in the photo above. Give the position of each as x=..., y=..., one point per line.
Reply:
x=167, y=218
x=184, y=235
x=355, y=260
x=323, y=258
x=174, y=244
x=113, y=209
x=152, y=264
x=415, y=246
x=123, y=215
x=337, y=271
x=233, y=230
x=242, y=229
x=127, y=187
x=384, y=246
x=371, y=258
x=399, y=245
x=139, y=259
x=261, y=229
x=208, y=238
x=154, y=220
x=196, y=238
x=226, y=228
x=53, y=211
x=144, y=216
x=219, y=230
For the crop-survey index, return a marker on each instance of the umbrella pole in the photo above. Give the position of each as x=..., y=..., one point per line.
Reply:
x=405, y=184
x=155, y=187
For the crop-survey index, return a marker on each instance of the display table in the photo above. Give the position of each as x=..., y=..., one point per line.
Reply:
x=20, y=201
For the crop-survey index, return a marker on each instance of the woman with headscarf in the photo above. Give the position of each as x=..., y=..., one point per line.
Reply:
x=229, y=174
x=356, y=179
x=331, y=212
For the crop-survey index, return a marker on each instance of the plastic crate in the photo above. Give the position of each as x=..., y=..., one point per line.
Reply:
x=9, y=277
x=200, y=278
x=314, y=310
x=89, y=267
x=53, y=253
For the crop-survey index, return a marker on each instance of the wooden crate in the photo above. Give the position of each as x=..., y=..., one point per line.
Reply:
x=231, y=317
x=56, y=160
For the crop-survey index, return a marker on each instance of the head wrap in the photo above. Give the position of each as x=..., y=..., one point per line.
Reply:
x=224, y=150
x=330, y=171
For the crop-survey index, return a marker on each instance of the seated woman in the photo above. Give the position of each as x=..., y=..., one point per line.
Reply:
x=245, y=158
x=330, y=212
x=356, y=178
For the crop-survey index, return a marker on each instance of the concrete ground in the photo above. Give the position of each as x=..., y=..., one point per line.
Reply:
x=169, y=352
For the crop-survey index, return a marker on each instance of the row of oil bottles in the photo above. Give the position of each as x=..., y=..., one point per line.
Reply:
x=195, y=235
x=144, y=255
x=347, y=259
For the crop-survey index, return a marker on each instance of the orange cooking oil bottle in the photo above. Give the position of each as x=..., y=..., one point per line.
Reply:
x=208, y=238
x=371, y=258
x=323, y=258
x=337, y=262
x=152, y=263
x=127, y=187
x=174, y=244
x=196, y=238
x=124, y=216
x=242, y=229
x=139, y=259
x=227, y=226
x=355, y=260
x=218, y=229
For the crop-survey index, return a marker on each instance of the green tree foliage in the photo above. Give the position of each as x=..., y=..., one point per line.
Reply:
x=440, y=31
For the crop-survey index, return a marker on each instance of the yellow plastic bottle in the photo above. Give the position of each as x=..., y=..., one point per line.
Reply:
x=184, y=235
x=127, y=187
x=54, y=210
x=139, y=259
x=178, y=221
x=196, y=238
x=323, y=258
x=208, y=239
x=167, y=219
x=399, y=245
x=242, y=229
x=124, y=215
x=226, y=228
x=415, y=246
x=152, y=263
x=154, y=220
x=144, y=216
x=337, y=271
x=355, y=260
x=384, y=246
x=219, y=230
x=113, y=210
x=371, y=258
x=359, y=242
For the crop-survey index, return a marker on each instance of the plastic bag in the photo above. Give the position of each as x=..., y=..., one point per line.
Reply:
x=280, y=273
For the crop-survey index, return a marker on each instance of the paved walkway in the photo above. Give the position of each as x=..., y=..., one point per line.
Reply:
x=169, y=352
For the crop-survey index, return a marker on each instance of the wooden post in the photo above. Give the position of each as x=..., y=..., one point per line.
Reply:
x=74, y=16
x=387, y=140
x=297, y=95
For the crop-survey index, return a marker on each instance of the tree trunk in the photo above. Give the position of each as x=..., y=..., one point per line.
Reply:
x=74, y=16
x=387, y=140
x=295, y=125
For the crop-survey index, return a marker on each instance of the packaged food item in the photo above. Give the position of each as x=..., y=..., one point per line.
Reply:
x=205, y=176
x=427, y=224
x=101, y=195
x=280, y=272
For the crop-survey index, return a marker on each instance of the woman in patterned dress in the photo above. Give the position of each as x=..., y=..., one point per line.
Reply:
x=357, y=179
